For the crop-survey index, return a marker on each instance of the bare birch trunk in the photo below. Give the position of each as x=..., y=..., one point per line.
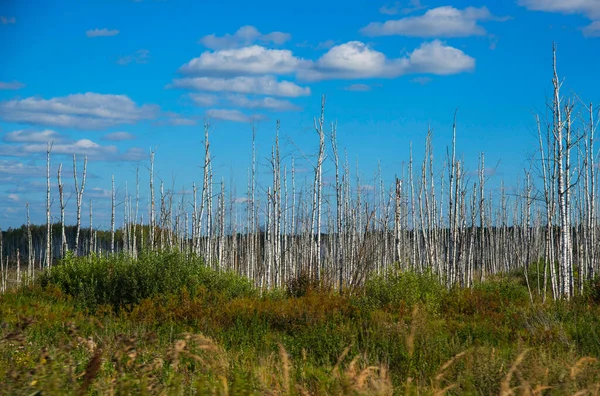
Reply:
x=112, y=217
x=318, y=188
x=92, y=249
x=337, y=232
x=48, y=220
x=63, y=237
x=152, y=204
x=30, y=252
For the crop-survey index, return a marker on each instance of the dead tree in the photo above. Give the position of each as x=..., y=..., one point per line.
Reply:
x=30, y=252
x=318, y=188
x=79, y=196
x=205, y=182
x=337, y=232
x=92, y=248
x=152, y=205
x=112, y=216
x=63, y=237
x=48, y=220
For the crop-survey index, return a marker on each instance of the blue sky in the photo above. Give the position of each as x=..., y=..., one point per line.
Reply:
x=111, y=79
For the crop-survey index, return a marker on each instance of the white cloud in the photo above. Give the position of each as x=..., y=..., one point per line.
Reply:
x=591, y=8
x=101, y=32
x=13, y=85
x=139, y=56
x=246, y=35
x=204, y=100
x=262, y=103
x=82, y=146
x=233, y=115
x=243, y=61
x=17, y=168
x=355, y=59
x=275, y=38
x=444, y=21
x=25, y=136
x=14, y=197
x=592, y=30
x=8, y=20
x=437, y=58
x=118, y=136
x=253, y=69
x=353, y=56
x=87, y=147
x=81, y=111
x=265, y=85
x=347, y=61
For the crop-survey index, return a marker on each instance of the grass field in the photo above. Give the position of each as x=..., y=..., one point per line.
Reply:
x=165, y=324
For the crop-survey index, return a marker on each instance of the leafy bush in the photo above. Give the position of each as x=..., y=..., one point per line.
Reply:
x=507, y=291
x=535, y=273
x=122, y=281
x=592, y=290
x=302, y=285
x=406, y=289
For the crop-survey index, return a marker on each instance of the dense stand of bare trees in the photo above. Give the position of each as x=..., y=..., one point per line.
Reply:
x=434, y=217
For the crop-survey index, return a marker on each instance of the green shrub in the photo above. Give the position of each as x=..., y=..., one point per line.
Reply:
x=122, y=281
x=535, y=274
x=507, y=291
x=405, y=289
x=302, y=285
x=592, y=290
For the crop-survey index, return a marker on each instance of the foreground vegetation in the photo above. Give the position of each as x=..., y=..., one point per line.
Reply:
x=166, y=324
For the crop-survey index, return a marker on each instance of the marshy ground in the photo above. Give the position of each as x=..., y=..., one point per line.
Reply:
x=165, y=324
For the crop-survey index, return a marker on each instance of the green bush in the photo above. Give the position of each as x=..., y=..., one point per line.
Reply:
x=507, y=291
x=535, y=274
x=302, y=285
x=592, y=290
x=122, y=281
x=406, y=289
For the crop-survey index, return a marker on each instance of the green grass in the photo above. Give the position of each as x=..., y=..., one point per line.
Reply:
x=166, y=324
